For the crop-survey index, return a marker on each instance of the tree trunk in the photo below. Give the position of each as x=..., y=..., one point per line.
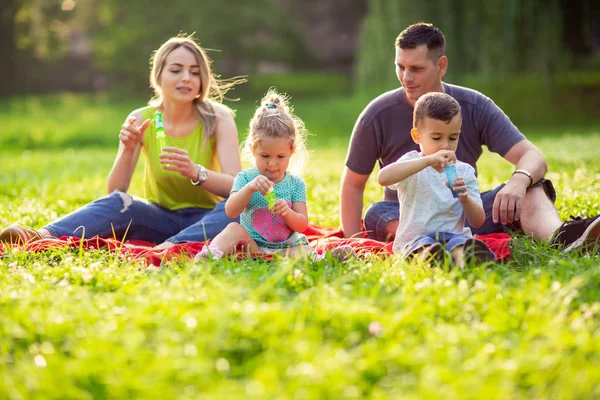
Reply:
x=7, y=47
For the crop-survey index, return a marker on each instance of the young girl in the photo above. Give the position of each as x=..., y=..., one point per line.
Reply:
x=276, y=136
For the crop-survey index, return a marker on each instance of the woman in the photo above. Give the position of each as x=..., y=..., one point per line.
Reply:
x=185, y=183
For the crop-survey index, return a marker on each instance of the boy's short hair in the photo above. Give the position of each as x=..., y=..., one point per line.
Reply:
x=422, y=33
x=436, y=105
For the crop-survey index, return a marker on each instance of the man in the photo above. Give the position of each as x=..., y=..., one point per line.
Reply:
x=382, y=134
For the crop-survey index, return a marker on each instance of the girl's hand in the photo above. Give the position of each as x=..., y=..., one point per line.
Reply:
x=260, y=184
x=178, y=160
x=131, y=135
x=441, y=158
x=281, y=207
x=459, y=185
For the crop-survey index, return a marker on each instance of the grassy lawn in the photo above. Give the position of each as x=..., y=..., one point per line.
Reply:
x=95, y=325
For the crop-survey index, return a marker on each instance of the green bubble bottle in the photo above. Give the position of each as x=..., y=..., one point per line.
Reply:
x=161, y=138
x=271, y=198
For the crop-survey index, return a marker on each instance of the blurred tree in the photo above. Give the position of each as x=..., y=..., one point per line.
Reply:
x=36, y=38
x=42, y=27
x=579, y=19
x=488, y=39
x=237, y=34
x=8, y=46
x=329, y=31
x=87, y=44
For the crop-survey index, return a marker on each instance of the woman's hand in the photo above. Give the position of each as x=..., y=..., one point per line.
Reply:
x=441, y=158
x=260, y=184
x=281, y=207
x=178, y=160
x=131, y=135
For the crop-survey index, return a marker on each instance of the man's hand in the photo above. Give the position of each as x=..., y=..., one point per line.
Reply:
x=508, y=203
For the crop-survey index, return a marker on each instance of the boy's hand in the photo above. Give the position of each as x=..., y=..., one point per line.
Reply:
x=441, y=158
x=280, y=208
x=459, y=185
x=260, y=184
x=132, y=135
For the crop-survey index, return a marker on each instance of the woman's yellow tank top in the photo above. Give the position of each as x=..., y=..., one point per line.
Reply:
x=170, y=189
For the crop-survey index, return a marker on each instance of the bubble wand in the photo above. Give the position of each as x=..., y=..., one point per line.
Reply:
x=271, y=198
x=161, y=138
x=451, y=176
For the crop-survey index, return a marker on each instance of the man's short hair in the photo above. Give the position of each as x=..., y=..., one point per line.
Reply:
x=422, y=33
x=435, y=105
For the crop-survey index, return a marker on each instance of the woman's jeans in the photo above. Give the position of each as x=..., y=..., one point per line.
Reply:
x=126, y=217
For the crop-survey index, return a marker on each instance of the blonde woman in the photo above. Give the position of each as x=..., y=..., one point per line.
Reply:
x=185, y=183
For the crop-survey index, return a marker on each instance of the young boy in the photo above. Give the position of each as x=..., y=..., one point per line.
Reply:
x=430, y=217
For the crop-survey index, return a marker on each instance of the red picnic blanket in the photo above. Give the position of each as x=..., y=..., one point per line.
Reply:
x=320, y=238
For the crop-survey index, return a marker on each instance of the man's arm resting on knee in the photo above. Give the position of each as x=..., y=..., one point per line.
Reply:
x=508, y=202
x=524, y=155
x=351, y=201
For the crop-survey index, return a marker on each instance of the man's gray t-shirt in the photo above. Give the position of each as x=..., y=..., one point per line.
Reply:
x=382, y=131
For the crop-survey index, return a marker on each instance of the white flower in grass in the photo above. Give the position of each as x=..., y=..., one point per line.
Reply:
x=222, y=365
x=375, y=328
x=40, y=361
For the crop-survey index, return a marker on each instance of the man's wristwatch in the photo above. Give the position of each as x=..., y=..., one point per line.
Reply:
x=522, y=171
x=202, y=176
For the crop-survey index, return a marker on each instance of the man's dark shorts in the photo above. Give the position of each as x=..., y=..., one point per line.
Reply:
x=379, y=214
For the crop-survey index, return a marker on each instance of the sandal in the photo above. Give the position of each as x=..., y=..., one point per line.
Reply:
x=477, y=251
x=17, y=234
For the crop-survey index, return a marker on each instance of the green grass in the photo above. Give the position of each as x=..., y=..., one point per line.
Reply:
x=96, y=325
x=73, y=121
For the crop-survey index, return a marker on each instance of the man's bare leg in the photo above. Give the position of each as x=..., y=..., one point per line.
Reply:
x=539, y=217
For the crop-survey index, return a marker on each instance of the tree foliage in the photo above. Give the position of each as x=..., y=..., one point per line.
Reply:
x=121, y=36
x=491, y=38
x=236, y=33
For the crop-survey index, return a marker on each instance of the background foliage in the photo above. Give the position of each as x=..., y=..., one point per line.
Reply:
x=488, y=39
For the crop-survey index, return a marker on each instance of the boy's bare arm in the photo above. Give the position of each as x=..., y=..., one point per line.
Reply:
x=474, y=213
x=400, y=170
